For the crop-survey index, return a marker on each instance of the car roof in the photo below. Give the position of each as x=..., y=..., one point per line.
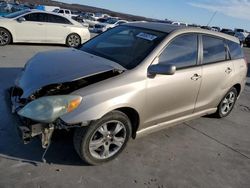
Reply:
x=169, y=28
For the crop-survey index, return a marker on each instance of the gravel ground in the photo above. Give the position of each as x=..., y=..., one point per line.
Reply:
x=201, y=153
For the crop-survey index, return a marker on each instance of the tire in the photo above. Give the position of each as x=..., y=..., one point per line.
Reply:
x=104, y=139
x=227, y=103
x=73, y=40
x=5, y=37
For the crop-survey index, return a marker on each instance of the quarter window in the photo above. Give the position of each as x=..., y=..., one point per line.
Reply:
x=58, y=19
x=181, y=52
x=235, y=49
x=213, y=50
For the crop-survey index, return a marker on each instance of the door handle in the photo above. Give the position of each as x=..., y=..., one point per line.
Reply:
x=228, y=70
x=196, y=77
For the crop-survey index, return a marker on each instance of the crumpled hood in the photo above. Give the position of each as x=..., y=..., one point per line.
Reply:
x=60, y=66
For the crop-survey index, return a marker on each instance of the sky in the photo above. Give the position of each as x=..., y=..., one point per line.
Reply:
x=229, y=13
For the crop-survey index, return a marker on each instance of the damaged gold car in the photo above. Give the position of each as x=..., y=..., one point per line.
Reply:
x=129, y=81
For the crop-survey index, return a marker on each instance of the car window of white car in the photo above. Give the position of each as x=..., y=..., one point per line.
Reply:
x=58, y=19
x=36, y=17
x=67, y=12
x=61, y=12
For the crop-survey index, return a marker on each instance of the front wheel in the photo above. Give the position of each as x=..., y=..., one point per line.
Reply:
x=5, y=37
x=227, y=103
x=73, y=40
x=104, y=139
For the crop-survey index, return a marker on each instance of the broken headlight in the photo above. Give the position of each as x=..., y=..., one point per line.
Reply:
x=48, y=109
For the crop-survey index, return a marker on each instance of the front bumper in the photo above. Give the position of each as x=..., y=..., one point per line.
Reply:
x=26, y=128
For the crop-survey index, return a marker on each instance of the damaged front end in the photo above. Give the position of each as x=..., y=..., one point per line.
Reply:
x=35, y=113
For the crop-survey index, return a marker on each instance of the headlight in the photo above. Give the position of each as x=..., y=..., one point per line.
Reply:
x=48, y=109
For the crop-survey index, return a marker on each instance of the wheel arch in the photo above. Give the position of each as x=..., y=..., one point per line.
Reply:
x=134, y=117
x=11, y=35
x=238, y=88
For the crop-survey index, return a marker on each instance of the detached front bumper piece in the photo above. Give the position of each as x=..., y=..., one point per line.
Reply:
x=27, y=128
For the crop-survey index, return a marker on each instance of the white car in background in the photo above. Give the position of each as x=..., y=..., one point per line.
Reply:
x=110, y=23
x=180, y=24
x=34, y=26
x=65, y=12
x=241, y=34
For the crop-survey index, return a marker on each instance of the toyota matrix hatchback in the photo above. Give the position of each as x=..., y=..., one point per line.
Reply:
x=127, y=82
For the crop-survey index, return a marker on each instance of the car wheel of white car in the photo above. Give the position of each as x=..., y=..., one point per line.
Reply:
x=5, y=37
x=73, y=40
x=103, y=139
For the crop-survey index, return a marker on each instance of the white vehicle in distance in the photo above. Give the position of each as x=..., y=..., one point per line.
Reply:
x=180, y=24
x=110, y=23
x=241, y=34
x=34, y=26
x=90, y=20
x=65, y=12
x=100, y=15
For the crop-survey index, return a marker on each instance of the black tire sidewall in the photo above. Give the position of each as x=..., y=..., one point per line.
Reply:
x=9, y=36
x=220, y=105
x=85, y=140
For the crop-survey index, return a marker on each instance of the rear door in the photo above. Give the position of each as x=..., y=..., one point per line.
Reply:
x=32, y=29
x=217, y=72
x=171, y=96
x=57, y=28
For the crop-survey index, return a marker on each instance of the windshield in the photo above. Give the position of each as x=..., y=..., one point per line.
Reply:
x=16, y=14
x=112, y=21
x=239, y=30
x=125, y=45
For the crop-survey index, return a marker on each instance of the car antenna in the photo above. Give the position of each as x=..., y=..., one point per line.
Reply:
x=211, y=19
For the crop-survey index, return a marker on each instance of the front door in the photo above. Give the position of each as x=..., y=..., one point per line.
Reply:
x=32, y=29
x=172, y=96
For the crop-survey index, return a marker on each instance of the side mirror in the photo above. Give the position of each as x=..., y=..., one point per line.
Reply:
x=21, y=19
x=167, y=69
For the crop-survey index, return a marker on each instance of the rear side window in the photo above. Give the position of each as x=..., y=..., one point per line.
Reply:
x=36, y=17
x=235, y=50
x=181, y=52
x=214, y=50
x=58, y=19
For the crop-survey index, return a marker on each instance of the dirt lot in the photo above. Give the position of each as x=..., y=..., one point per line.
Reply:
x=201, y=153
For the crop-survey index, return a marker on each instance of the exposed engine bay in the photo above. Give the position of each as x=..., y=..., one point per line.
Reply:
x=29, y=128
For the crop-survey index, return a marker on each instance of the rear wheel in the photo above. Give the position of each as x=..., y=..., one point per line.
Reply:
x=73, y=40
x=227, y=103
x=5, y=37
x=104, y=139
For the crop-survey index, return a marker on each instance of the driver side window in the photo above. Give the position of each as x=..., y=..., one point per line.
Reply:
x=181, y=52
x=36, y=17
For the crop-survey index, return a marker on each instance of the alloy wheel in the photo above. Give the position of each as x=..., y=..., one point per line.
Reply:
x=107, y=140
x=228, y=103
x=4, y=37
x=74, y=40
